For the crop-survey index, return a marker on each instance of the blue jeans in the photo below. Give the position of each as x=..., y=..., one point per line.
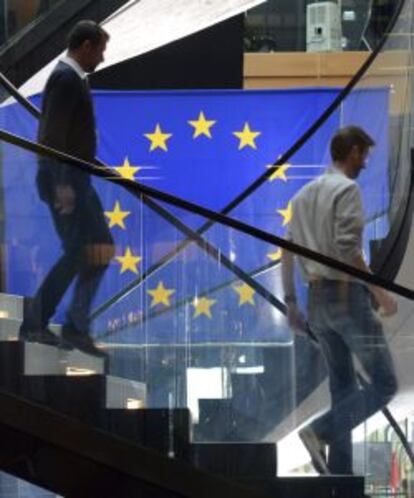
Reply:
x=340, y=314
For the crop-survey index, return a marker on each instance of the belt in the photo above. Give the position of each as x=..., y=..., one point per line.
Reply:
x=319, y=282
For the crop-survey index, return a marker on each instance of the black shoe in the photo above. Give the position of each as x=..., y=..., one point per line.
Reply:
x=316, y=449
x=83, y=342
x=45, y=336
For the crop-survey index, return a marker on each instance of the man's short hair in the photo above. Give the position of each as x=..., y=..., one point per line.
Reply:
x=83, y=31
x=347, y=138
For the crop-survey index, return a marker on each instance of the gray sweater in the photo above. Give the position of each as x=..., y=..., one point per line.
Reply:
x=328, y=218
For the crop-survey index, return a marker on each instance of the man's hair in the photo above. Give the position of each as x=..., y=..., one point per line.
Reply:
x=83, y=31
x=347, y=138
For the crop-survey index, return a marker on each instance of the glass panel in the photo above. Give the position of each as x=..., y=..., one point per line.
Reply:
x=279, y=379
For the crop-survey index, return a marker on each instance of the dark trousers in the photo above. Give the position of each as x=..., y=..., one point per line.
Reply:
x=342, y=318
x=87, y=249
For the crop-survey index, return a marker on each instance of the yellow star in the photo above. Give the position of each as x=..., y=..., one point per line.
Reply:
x=280, y=173
x=158, y=139
x=160, y=295
x=245, y=293
x=247, y=137
x=127, y=171
x=116, y=217
x=202, y=126
x=286, y=213
x=128, y=261
x=275, y=256
x=202, y=306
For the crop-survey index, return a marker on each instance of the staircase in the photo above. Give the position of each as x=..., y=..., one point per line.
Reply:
x=90, y=406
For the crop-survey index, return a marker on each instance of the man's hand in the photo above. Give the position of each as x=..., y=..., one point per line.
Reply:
x=296, y=319
x=388, y=305
x=65, y=199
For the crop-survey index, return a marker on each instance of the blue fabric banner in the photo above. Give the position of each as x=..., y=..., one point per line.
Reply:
x=206, y=147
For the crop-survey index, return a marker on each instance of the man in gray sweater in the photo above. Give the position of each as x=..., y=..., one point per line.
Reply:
x=328, y=218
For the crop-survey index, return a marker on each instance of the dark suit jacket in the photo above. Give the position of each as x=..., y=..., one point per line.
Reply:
x=67, y=124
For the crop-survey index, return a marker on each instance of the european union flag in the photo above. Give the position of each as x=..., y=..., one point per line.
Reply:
x=206, y=147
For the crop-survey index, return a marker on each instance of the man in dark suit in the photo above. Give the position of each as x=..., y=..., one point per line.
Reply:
x=68, y=125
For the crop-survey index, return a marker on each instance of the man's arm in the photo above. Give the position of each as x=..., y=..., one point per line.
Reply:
x=348, y=227
x=288, y=281
x=61, y=98
x=60, y=106
x=385, y=300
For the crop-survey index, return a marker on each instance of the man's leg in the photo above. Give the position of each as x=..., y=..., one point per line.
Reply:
x=371, y=348
x=86, y=286
x=95, y=244
x=95, y=261
x=342, y=383
x=43, y=306
x=362, y=332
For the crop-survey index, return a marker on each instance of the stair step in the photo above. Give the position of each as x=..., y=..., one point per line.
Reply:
x=124, y=393
x=27, y=364
x=9, y=328
x=310, y=487
x=83, y=397
x=80, y=397
x=163, y=430
x=40, y=359
x=236, y=460
x=11, y=306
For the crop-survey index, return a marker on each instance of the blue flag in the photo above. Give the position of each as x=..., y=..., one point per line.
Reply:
x=206, y=147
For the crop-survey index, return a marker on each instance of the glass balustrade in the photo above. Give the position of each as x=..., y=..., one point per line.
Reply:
x=185, y=329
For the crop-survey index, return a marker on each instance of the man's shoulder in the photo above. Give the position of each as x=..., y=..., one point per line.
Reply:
x=309, y=188
x=341, y=187
x=65, y=74
x=327, y=185
x=335, y=182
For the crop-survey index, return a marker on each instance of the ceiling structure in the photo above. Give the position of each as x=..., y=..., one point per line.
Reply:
x=138, y=27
